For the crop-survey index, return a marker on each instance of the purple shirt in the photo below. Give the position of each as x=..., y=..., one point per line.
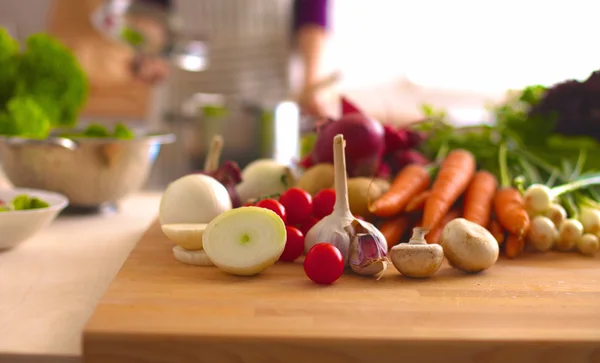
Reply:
x=310, y=12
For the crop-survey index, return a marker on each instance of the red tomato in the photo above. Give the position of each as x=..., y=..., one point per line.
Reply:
x=308, y=224
x=294, y=244
x=324, y=264
x=323, y=203
x=275, y=206
x=297, y=204
x=249, y=205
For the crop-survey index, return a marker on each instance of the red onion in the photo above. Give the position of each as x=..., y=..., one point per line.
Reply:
x=365, y=141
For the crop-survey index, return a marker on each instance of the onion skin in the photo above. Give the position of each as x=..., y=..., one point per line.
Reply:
x=365, y=139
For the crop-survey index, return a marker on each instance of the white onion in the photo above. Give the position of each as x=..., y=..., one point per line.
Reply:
x=193, y=199
x=264, y=177
x=542, y=233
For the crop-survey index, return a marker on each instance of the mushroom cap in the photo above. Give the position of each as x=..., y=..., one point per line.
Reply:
x=469, y=246
x=418, y=261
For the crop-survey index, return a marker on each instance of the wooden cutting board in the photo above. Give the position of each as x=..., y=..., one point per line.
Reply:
x=539, y=308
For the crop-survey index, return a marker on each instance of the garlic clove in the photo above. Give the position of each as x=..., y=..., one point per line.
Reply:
x=366, y=255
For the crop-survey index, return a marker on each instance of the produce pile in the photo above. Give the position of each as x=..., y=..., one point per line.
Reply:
x=43, y=88
x=465, y=194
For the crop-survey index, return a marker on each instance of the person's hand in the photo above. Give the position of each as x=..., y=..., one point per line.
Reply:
x=151, y=70
x=312, y=103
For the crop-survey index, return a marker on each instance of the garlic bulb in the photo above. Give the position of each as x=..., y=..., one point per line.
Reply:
x=361, y=243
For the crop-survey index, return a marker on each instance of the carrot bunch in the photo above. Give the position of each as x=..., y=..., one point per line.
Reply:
x=415, y=198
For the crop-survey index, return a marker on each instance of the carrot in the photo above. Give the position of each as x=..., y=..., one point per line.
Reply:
x=453, y=178
x=434, y=235
x=410, y=181
x=514, y=246
x=497, y=231
x=418, y=202
x=477, y=205
x=509, y=205
x=393, y=229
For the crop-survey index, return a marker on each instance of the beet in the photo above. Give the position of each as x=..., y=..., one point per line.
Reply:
x=394, y=139
x=405, y=157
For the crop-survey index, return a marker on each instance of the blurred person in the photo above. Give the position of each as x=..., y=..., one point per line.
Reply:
x=310, y=25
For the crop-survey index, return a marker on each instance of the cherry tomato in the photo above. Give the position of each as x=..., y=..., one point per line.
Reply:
x=275, y=206
x=324, y=264
x=297, y=204
x=323, y=203
x=294, y=244
x=249, y=205
x=308, y=224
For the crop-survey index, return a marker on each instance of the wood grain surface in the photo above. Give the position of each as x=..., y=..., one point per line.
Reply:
x=539, y=308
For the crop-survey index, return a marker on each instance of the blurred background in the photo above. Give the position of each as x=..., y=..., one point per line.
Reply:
x=388, y=56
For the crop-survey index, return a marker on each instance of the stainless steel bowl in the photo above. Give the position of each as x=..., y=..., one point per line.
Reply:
x=90, y=172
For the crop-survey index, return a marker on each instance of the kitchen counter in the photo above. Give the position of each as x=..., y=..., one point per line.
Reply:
x=50, y=285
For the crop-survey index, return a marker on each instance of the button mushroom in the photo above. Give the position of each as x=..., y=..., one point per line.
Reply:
x=468, y=246
x=416, y=258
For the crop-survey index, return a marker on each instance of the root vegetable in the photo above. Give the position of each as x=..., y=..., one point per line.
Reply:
x=590, y=220
x=510, y=211
x=193, y=199
x=509, y=206
x=245, y=241
x=360, y=191
x=588, y=244
x=340, y=227
x=197, y=258
x=188, y=236
x=468, y=246
x=366, y=143
x=452, y=180
x=418, y=202
x=497, y=231
x=264, y=177
x=537, y=198
x=316, y=178
x=412, y=180
x=570, y=231
x=514, y=246
x=393, y=229
x=479, y=198
x=416, y=258
x=557, y=214
x=542, y=233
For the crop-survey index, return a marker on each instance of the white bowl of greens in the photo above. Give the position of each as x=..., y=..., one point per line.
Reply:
x=25, y=212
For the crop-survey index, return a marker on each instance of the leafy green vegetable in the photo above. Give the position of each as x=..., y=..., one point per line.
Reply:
x=120, y=131
x=24, y=117
x=132, y=37
x=50, y=73
x=9, y=49
x=534, y=150
x=24, y=202
x=95, y=130
x=123, y=132
x=41, y=88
